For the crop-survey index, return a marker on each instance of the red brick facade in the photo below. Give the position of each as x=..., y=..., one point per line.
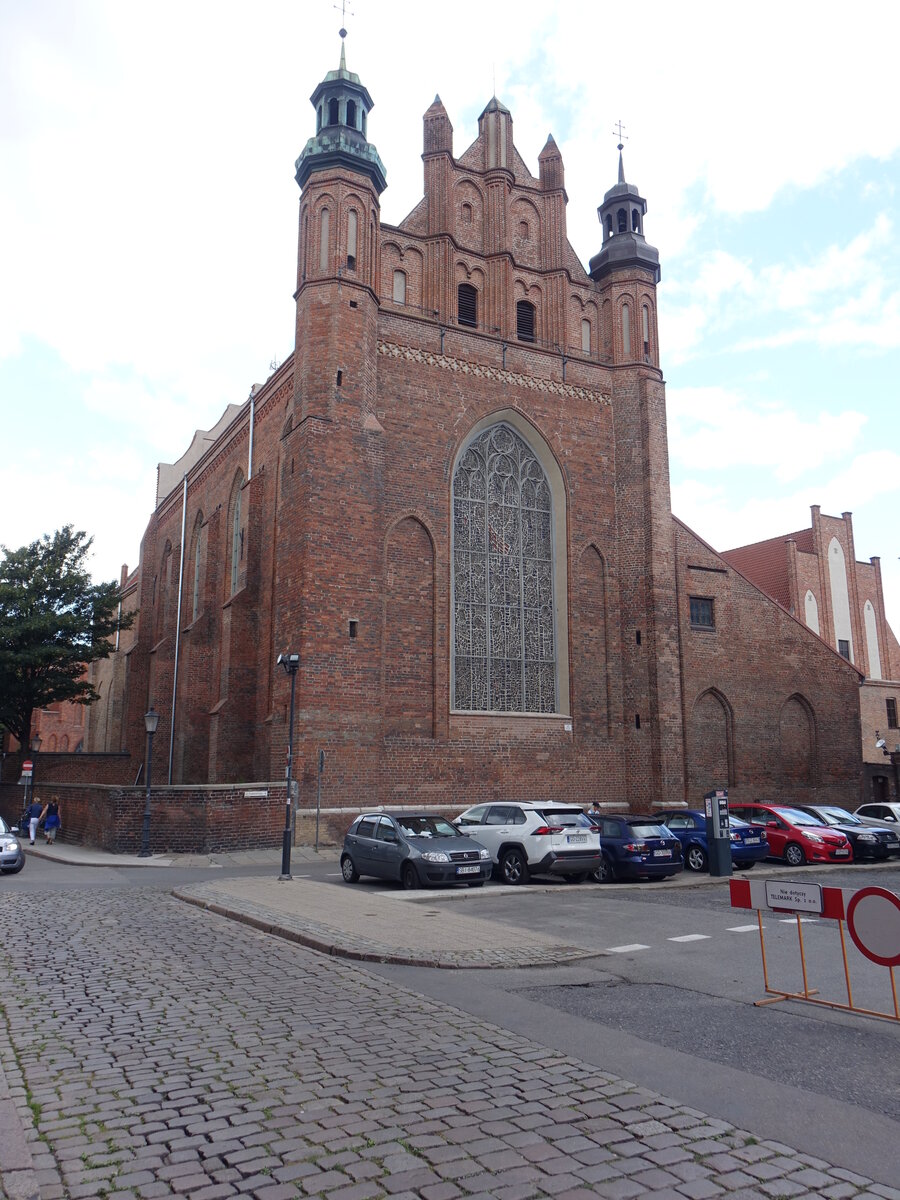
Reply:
x=336, y=541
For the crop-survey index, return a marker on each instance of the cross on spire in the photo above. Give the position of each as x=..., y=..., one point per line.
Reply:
x=623, y=137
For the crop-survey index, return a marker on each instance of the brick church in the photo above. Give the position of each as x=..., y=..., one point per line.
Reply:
x=452, y=502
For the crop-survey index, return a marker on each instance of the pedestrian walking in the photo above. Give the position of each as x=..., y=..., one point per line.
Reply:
x=51, y=819
x=33, y=817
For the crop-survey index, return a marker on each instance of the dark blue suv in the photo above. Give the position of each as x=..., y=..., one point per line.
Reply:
x=748, y=842
x=635, y=848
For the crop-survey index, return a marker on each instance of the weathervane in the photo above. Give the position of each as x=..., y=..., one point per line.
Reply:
x=617, y=130
x=344, y=10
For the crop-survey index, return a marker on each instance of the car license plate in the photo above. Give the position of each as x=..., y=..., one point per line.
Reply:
x=662, y=853
x=473, y=870
x=841, y=853
x=577, y=839
x=751, y=841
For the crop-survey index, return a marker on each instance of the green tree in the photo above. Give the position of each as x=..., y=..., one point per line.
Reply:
x=54, y=622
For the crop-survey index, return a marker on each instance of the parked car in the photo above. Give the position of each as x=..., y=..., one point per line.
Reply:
x=635, y=847
x=885, y=812
x=415, y=849
x=748, y=842
x=540, y=838
x=12, y=856
x=795, y=836
x=868, y=841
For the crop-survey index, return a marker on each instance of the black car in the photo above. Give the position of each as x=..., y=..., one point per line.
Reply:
x=415, y=849
x=635, y=847
x=868, y=841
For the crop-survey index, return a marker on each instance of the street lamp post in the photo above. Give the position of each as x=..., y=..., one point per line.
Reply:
x=35, y=747
x=291, y=664
x=151, y=720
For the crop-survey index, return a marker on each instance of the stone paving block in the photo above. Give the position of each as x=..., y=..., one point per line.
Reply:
x=700, y=1189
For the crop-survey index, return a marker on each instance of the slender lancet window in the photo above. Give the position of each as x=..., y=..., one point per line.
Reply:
x=504, y=641
x=236, y=540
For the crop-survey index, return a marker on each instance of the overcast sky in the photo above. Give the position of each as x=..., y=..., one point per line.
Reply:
x=148, y=212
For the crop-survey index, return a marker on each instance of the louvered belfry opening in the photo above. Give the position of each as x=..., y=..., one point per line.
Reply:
x=467, y=305
x=525, y=321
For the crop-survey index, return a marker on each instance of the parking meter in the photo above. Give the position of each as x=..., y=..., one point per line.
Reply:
x=718, y=831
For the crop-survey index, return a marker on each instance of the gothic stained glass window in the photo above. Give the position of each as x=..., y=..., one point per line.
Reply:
x=504, y=639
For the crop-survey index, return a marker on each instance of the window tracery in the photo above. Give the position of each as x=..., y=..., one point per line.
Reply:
x=504, y=639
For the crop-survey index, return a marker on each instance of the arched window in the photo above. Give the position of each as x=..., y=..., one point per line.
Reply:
x=467, y=305
x=333, y=112
x=585, y=335
x=237, y=535
x=324, y=222
x=622, y=220
x=399, y=287
x=609, y=225
x=351, y=239
x=525, y=321
x=351, y=114
x=626, y=331
x=504, y=636
x=363, y=121
x=635, y=221
x=645, y=326
x=64, y=744
x=318, y=118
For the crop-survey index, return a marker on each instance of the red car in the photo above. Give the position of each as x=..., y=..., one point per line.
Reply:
x=795, y=836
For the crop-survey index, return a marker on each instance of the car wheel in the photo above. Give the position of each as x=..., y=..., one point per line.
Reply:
x=748, y=866
x=513, y=867
x=604, y=873
x=579, y=878
x=695, y=858
x=793, y=855
x=348, y=870
x=409, y=877
x=476, y=883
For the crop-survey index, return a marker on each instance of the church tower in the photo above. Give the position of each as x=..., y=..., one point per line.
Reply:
x=331, y=459
x=626, y=272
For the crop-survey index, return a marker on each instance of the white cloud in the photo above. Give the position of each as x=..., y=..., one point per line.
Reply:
x=717, y=426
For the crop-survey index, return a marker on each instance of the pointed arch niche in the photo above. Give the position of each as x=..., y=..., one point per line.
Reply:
x=797, y=741
x=591, y=645
x=409, y=631
x=711, y=743
x=509, y=608
x=872, y=640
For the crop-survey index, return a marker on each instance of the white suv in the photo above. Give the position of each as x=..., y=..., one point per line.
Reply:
x=535, y=838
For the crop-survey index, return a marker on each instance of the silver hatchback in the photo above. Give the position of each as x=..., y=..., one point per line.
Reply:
x=414, y=849
x=12, y=856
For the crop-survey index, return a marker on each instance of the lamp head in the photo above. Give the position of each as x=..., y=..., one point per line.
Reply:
x=36, y=743
x=290, y=662
x=151, y=719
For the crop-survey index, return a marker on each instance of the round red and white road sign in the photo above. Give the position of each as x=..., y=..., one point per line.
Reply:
x=27, y=766
x=873, y=918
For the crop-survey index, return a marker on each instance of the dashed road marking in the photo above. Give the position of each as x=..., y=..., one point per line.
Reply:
x=802, y=920
x=691, y=937
x=743, y=928
x=626, y=949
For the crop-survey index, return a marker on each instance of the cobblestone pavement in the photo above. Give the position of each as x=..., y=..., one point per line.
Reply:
x=157, y=1049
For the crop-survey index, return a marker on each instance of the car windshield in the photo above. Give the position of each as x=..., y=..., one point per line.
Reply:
x=793, y=816
x=4, y=828
x=427, y=827
x=737, y=823
x=838, y=816
x=646, y=829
